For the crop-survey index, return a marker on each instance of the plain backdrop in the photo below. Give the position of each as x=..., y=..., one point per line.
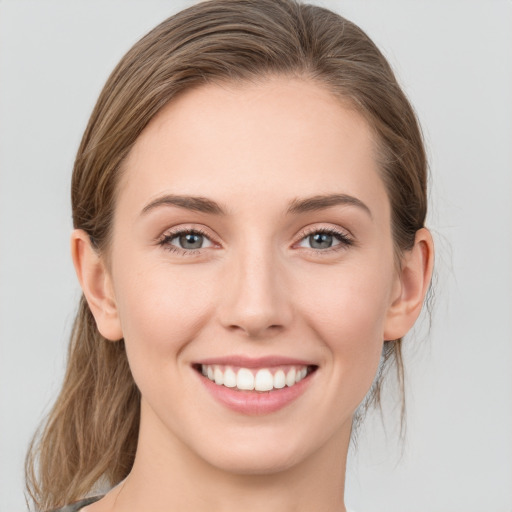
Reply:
x=454, y=59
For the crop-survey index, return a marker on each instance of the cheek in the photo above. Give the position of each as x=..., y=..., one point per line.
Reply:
x=161, y=309
x=349, y=313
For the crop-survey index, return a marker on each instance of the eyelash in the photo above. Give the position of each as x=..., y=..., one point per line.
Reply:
x=345, y=241
x=165, y=241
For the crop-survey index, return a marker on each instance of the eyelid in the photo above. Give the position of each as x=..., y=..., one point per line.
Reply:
x=345, y=238
x=171, y=233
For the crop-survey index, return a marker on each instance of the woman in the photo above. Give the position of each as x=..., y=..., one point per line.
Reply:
x=249, y=201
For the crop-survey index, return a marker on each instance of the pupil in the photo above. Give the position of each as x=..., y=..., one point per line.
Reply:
x=320, y=241
x=191, y=241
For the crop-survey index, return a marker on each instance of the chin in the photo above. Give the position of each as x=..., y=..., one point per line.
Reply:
x=260, y=452
x=256, y=462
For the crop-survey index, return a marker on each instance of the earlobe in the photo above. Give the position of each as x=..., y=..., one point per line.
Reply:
x=414, y=281
x=96, y=284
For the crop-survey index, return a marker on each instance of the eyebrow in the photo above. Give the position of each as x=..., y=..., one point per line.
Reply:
x=296, y=206
x=322, y=202
x=195, y=203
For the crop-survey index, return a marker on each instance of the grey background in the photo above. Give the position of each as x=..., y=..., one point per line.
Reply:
x=454, y=59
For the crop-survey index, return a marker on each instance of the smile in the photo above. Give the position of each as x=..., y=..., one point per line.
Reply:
x=262, y=379
x=255, y=386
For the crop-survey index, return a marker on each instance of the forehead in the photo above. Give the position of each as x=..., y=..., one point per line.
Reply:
x=279, y=139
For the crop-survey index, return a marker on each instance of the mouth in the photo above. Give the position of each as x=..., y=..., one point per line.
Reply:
x=256, y=379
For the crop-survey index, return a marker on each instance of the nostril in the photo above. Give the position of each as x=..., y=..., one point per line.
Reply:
x=257, y=330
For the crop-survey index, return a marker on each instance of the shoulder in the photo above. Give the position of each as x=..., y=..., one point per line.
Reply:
x=74, y=507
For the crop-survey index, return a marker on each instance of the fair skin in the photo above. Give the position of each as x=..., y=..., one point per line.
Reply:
x=266, y=272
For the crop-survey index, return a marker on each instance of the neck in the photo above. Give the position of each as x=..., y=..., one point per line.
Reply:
x=167, y=475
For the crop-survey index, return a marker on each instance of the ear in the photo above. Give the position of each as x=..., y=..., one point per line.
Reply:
x=96, y=284
x=413, y=281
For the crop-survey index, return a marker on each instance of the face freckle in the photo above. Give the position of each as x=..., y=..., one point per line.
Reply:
x=254, y=279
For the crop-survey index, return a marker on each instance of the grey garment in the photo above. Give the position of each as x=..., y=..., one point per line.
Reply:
x=74, y=507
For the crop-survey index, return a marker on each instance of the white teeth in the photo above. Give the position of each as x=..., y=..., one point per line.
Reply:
x=229, y=378
x=245, y=379
x=248, y=380
x=279, y=379
x=300, y=374
x=290, y=377
x=218, y=376
x=263, y=381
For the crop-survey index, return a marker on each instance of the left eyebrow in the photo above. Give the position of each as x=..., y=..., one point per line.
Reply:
x=326, y=201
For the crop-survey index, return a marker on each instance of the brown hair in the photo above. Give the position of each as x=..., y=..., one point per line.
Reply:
x=90, y=435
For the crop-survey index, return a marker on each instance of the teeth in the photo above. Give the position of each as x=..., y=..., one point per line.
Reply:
x=230, y=378
x=248, y=380
x=245, y=379
x=300, y=374
x=218, y=376
x=263, y=381
x=279, y=379
x=290, y=377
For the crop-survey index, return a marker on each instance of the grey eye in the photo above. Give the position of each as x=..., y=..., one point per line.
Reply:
x=186, y=240
x=190, y=240
x=321, y=240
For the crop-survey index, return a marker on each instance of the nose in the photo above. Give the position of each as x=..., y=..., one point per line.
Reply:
x=255, y=300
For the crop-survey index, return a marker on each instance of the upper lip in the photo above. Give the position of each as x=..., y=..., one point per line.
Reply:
x=254, y=362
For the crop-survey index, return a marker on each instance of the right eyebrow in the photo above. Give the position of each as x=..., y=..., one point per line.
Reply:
x=195, y=203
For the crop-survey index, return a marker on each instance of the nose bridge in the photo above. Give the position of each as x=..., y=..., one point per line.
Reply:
x=255, y=299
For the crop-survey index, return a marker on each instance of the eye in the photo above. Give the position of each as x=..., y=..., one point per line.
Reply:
x=186, y=240
x=324, y=239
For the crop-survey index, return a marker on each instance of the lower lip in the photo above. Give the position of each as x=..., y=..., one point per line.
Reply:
x=256, y=402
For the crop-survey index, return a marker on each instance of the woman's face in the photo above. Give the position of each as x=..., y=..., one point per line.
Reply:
x=252, y=243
